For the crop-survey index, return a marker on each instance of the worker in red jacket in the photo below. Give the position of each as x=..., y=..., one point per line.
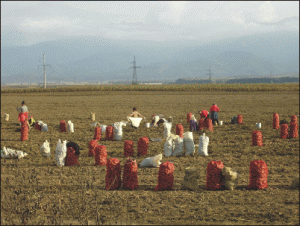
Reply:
x=203, y=114
x=214, y=114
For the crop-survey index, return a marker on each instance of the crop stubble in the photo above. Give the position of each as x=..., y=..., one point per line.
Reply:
x=35, y=191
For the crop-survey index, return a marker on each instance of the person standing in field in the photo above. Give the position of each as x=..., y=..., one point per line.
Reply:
x=157, y=119
x=214, y=114
x=135, y=114
x=23, y=115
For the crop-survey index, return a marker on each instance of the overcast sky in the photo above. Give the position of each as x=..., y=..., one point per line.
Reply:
x=147, y=20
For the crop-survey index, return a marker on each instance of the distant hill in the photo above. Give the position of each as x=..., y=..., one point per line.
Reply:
x=94, y=59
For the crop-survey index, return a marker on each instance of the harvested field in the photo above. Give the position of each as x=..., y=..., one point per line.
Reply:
x=36, y=191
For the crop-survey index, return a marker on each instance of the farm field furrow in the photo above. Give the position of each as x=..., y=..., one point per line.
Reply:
x=36, y=191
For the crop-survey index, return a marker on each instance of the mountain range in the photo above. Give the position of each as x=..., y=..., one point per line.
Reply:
x=95, y=59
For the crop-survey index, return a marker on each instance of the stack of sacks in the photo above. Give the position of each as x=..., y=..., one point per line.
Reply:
x=189, y=143
x=61, y=153
x=230, y=178
x=152, y=161
x=11, y=153
x=45, y=149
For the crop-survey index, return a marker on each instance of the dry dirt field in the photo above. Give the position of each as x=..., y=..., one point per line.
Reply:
x=36, y=191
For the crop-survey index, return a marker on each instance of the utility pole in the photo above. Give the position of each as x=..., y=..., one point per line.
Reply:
x=134, y=77
x=210, y=74
x=45, y=70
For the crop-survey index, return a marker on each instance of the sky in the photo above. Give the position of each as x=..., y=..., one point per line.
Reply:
x=39, y=21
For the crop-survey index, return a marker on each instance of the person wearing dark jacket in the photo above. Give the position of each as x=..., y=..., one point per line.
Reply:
x=214, y=114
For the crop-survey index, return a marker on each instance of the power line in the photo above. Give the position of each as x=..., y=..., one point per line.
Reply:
x=44, y=70
x=210, y=74
x=134, y=77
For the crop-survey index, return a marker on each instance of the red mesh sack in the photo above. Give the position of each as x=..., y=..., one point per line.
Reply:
x=130, y=174
x=209, y=124
x=239, y=119
x=258, y=175
x=189, y=117
x=92, y=145
x=275, y=121
x=109, y=133
x=294, y=118
x=214, y=175
x=284, y=131
x=100, y=155
x=165, y=176
x=37, y=127
x=179, y=130
x=202, y=124
x=97, y=133
x=63, y=126
x=71, y=158
x=257, y=138
x=142, y=146
x=128, y=148
x=293, y=133
x=24, y=130
x=113, y=174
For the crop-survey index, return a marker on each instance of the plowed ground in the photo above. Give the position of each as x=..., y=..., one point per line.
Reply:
x=36, y=191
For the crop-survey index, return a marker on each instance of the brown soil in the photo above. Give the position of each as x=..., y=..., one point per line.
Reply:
x=36, y=191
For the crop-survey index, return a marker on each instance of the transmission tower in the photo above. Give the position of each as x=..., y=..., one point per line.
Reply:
x=210, y=74
x=134, y=77
x=44, y=70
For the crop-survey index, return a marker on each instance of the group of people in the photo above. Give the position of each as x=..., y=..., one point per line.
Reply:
x=159, y=118
x=213, y=115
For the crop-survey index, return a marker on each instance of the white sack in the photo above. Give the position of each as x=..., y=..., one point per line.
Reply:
x=6, y=117
x=103, y=128
x=70, y=127
x=167, y=128
x=44, y=127
x=45, y=149
x=135, y=121
x=61, y=153
x=118, y=130
x=152, y=161
x=11, y=153
x=189, y=143
x=178, y=150
x=169, y=146
x=203, y=144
